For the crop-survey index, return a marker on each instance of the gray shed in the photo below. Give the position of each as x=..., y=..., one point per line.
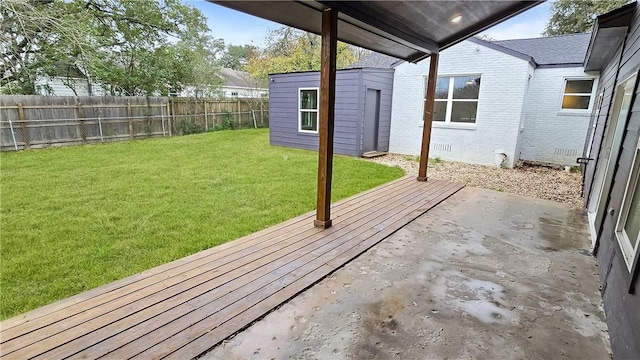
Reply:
x=362, y=110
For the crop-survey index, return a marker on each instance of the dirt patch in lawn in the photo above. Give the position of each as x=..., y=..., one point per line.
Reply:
x=535, y=181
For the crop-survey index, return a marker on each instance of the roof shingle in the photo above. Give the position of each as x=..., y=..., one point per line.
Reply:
x=556, y=50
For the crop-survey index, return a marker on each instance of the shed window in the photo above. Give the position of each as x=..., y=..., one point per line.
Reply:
x=628, y=228
x=577, y=94
x=456, y=99
x=308, y=110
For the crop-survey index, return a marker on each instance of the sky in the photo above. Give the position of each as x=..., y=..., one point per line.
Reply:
x=239, y=29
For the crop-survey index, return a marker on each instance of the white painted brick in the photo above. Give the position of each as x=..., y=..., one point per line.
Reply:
x=546, y=126
x=500, y=106
x=516, y=116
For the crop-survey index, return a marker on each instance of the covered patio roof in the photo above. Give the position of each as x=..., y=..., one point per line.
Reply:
x=409, y=30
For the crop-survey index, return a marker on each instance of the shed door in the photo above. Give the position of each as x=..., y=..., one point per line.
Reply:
x=371, y=120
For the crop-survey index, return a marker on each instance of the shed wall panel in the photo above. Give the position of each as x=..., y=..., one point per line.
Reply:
x=283, y=109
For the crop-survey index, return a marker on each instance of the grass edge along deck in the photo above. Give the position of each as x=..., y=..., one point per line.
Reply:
x=183, y=308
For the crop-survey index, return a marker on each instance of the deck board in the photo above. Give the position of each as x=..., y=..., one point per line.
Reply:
x=183, y=308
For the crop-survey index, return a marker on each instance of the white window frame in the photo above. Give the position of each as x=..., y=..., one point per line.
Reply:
x=594, y=88
x=308, y=110
x=449, y=100
x=235, y=94
x=629, y=253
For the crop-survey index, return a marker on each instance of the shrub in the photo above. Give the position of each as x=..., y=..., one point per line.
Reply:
x=189, y=126
x=227, y=122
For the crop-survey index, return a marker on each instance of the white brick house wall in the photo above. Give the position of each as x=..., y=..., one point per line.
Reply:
x=500, y=106
x=551, y=134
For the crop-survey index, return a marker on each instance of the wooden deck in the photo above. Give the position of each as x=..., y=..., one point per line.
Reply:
x=181, y=309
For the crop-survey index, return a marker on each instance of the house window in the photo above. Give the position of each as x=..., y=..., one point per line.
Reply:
x=308, y=110
x=628, y=228
x=456, y=99
x=234, y=94
x=577, y=94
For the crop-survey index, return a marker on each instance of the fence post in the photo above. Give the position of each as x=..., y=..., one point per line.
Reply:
x=169, y=116
x=81, y=125
x=206, y=118
x=130, y=120
x=100, y=126
x=25, y=131
x=239, y=114
x=13, y=134
x=253, y=114
x=162, y=118
x=261, y=115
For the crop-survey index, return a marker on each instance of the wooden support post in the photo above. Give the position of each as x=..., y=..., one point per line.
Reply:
x=427, y=116
x=80, y=115
x=130, y=120
x=326, y=116
x=23, y=125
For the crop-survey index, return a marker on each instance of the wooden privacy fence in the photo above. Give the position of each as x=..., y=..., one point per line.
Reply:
x=43, y=121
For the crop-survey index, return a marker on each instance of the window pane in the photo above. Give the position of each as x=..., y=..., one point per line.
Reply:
x=309, y=99
x=439, y=110
x=632, y=225
x=464, y=111
x=442, y=88
x=575, y=102
x=309, y=120
x=466, y=87
x=579, y=86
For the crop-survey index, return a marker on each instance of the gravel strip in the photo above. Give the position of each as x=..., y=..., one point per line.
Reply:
x=534, y=181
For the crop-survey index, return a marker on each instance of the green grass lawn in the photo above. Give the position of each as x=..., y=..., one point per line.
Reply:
x=74, y=218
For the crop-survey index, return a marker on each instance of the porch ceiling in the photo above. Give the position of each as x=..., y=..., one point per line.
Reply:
x=409, y=30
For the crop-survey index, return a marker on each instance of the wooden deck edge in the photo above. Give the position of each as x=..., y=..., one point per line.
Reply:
x=317, y=275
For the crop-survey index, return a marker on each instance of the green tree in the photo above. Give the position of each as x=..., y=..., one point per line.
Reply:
x=236, y=57
x=289, y=49
x=130, y=47
x=577, y=16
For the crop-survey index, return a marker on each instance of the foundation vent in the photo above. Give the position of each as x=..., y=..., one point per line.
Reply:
x=442, y=147
x=566, y=152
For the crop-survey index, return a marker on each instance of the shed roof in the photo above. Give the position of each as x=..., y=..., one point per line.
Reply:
x=409, y=30
x=549, y=51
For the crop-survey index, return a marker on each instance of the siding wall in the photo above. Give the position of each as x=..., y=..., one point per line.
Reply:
x=551, y=134
x=502, y=92
x=351, y=86
x=57, y=87
x=621, y=307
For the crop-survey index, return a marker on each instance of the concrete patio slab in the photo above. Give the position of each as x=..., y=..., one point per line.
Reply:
x=484, y=275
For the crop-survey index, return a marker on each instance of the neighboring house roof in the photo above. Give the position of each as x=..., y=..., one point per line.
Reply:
x=237, y=78
x=376, y=60
x=551, y=51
